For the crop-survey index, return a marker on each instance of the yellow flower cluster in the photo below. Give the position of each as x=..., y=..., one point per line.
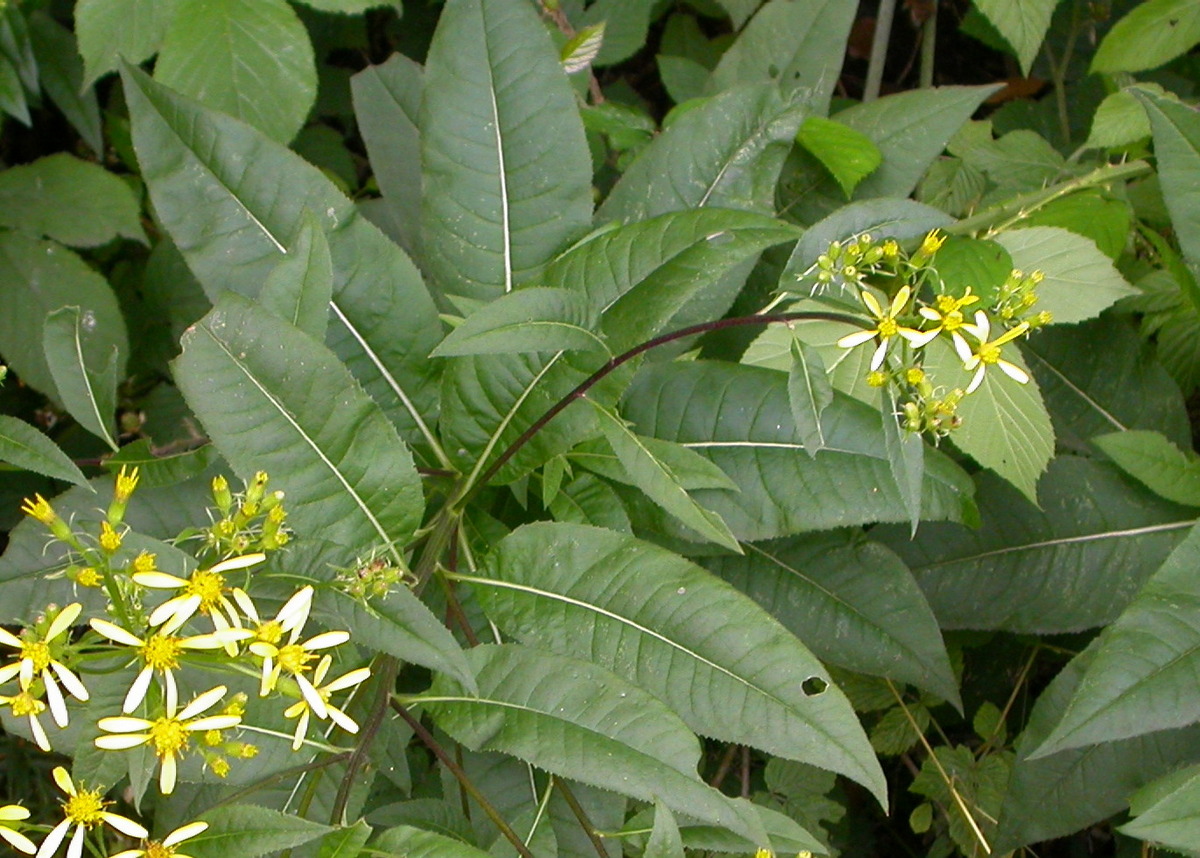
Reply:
x=900, y=323
x=161, y=621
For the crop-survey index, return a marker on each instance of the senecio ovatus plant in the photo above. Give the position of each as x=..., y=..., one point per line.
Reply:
x=167, y=636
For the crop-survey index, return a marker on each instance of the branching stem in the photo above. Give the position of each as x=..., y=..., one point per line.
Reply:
x=461, y=776
x=596, y=377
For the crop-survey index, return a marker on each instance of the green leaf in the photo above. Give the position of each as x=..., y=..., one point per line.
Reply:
x=89, y=393
x=980, y=264
x=581, y=50
x=1066, y=792
x=505, y=166
x=1080, y=280
x=664, y=841
x=274, y=399
x=736, y=674
x=76, y=202
x=250, y=830
x=387, y=107
x=348, y=7
x=229, y=54
x=690, y=469
x=534, y=319
x=301, y=286
x=1120, y=120
x=61, y=72
x=728, y=151
x=1071, y=565
x=1092, y=213
x=906, y=459
x=683, y=78
x=110, y=30
x=851, y=601
x=1152, y=34
x=24, y=446
x=740, y=418
x=588, y=500
x=910, y=129
x=415, y=843
x=1156, y=463
x=578, y=720
x=654, y=477
x=159, y=470
x=12, y=93
x=345, y=842
x=401, y=625
x=848, y=154
x=489, y=402
x=1005, y=425
x=623, y=26
x=1177, y=150
x=1023, y=24
x=1141, y=678
x=17, y=47
x=232, y=224
x=797, y=44
x=809, y=394
x=1173, y=820
x=1093, y=391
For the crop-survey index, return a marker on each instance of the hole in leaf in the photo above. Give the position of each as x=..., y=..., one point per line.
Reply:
x=813, y=686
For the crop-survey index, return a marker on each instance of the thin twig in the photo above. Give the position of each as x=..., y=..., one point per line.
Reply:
x=592, y=380
x=723, y=767
x=581, y=815
x=954, y=793
x=461, y=776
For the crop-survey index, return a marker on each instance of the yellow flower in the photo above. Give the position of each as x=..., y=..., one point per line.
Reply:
x=126, y=483
x=204, y=591
x=160, y=652
x=307, y=706
x=165, y=848
x=38, y=659
x=987, y=352
x=292, y=656
x=39, y=508
x=946, y=314
x=886, y=327
x=84, y=809
x=25, y=705
x=169, y=735
x=9, y=814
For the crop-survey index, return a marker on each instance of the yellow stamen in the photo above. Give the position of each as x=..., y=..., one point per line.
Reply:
x=85, y=808
x=38, y=652
x=110, y=540
x=209, y=586
x=161, y=652
x=40, y=509
x=294, y=658
x=26, y=704
x=168, y=736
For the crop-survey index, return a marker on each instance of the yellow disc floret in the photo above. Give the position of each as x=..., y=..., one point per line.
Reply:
x=25, y=703
x=168, y=736
x=161, y=652
x=294, y=658
x=38, y=653
x=85, y=808
x=209, y=586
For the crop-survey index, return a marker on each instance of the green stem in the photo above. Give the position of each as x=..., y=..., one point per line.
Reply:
x=386, y=667
x=879, y=48
x=999, y=216
x=461, y=776
x=928, y=47
x=284, y=776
